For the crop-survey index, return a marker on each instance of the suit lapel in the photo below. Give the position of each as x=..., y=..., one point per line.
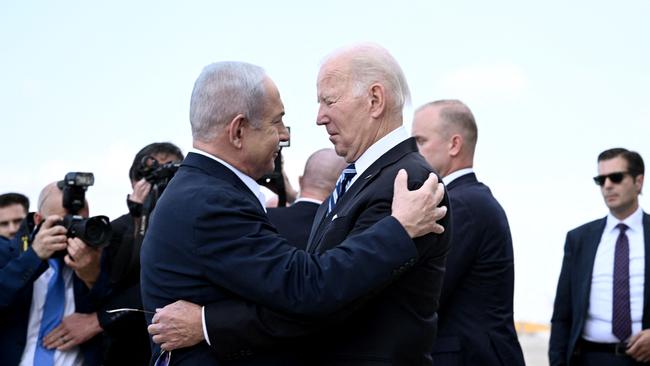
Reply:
x=585, y=265
x=322, y=219
x=645, y=320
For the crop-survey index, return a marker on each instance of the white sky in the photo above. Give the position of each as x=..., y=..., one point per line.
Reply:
x=84, y=85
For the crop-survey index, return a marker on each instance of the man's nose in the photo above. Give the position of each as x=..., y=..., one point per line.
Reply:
x=284, y=133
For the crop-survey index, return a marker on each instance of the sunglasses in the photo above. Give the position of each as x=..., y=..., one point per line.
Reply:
x=614, y=177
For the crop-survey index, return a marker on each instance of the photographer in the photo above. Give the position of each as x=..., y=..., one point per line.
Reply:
x=126, y=338
x=50, y=285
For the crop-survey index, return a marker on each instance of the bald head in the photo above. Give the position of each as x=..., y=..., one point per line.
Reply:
x=446, y=134
x=321, y=172
x=50, y=202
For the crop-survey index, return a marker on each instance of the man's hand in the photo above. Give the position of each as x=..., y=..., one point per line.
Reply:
x=141, y=190
x=74, y=330
x=50, y=238
x=84, y=260
x=639, y=346
x=417, y=210
x=177, y=325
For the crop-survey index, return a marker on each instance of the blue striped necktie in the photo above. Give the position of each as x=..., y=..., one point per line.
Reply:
x=52, y=313
x=341, y=186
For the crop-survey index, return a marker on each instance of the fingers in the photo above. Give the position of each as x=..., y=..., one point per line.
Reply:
x=54, y=338
x=50, y=221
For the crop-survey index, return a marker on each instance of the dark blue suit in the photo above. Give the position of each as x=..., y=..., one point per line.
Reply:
x=394, y=325
x=19, y=268
x=476, y=325
x=574, y=288
x=294, y=222
x=209, y=240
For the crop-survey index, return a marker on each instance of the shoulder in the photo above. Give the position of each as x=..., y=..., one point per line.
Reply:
x=595, y=225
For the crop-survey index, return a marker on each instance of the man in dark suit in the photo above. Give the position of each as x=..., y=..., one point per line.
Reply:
x=27, y=272
x=601, y=314
x=317, y=181
x=475, y=325
x=209, y=239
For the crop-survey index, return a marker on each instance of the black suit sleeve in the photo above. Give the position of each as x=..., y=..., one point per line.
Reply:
x=561, y=319
x=241, y=327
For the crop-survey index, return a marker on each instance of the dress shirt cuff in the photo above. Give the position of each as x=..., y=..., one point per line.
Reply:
x=205, y=328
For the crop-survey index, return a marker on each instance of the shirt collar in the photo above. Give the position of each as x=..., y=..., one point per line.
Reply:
x=379, y=148
x=248, y=181
x=634, y=221
x=306, y=199
x=457, y=174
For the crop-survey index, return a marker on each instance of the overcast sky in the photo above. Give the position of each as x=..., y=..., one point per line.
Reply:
x=84, y=85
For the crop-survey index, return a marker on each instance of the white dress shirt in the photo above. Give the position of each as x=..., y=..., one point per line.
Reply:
x=72, y=357
x=598, y=324
x=455, y=175
x=376, y=150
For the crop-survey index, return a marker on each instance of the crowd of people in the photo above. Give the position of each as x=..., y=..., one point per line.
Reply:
x=391, y=252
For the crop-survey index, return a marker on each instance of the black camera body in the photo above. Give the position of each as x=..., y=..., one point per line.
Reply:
x=157, y=174
x=94, y=231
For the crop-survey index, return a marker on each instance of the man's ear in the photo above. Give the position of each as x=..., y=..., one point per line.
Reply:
x=235, y=130
x=377, y=95
x=456, y=145
x=38, y=218
x=638, y=181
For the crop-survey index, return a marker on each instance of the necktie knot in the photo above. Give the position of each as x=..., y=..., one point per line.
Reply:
x=622, y=227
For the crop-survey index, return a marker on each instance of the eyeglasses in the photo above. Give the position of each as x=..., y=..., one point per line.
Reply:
x=163, y=358
x=616, y=178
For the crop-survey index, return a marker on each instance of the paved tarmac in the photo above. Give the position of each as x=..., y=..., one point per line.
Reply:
x=535, y=347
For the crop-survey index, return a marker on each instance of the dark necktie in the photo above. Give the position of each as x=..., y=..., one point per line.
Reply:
x=52, y=313
x=341, y=186
x=621, y=318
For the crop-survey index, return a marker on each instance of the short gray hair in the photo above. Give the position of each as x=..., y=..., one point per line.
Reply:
x=222, y=91
x=370, y=63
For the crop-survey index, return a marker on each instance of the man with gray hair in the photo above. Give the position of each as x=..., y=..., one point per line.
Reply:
x=210, y=241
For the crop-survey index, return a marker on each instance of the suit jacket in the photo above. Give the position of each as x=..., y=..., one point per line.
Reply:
x=209, y=240
x=574, y=287
x=19, y=268
x=294, y=222
x=393, y=325
x=476, y=325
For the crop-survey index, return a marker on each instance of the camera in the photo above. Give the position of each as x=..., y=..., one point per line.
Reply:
x=94, y=231
x=156, y=173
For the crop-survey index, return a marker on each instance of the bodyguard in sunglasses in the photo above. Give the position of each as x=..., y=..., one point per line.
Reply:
x=602, y=311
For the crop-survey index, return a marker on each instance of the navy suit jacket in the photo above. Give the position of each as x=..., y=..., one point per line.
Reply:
x=393, y=325
x=19, y=268
x=294, y=222
x=476, y=325
x=574, y=288
x=209, y=240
